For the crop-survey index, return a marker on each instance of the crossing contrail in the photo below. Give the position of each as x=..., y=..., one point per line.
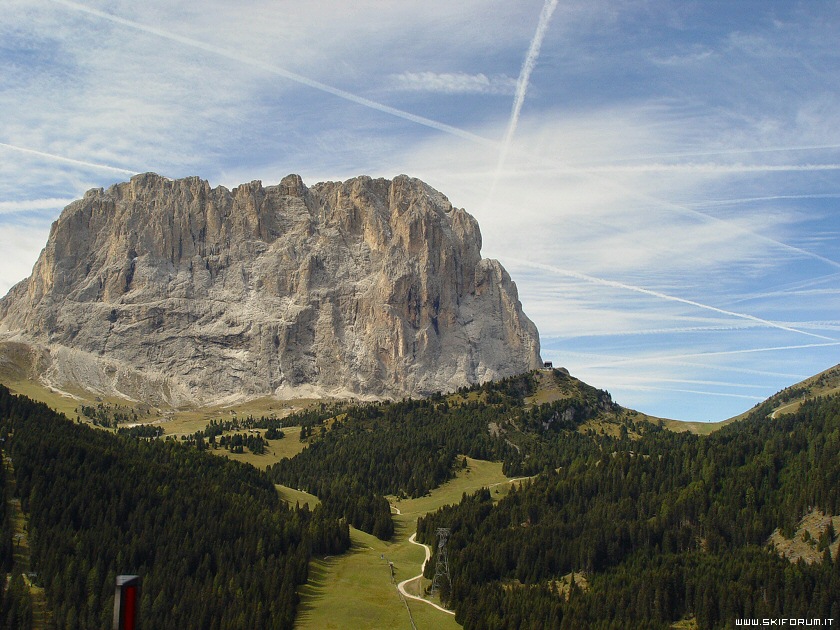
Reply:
x=505, y=146
x=281, y=72
x=602, y=176
x=61, y=158
x=662, y=296
x=522, y=88
x=524, y=78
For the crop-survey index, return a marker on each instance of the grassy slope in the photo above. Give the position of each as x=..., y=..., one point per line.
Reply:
x=548, y=391
x=355, y=590
x=786, y=401
x=791, y=398
x=292, y=496
x=17, y=371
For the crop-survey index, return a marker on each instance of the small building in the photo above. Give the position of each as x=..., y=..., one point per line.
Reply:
x=548, y=365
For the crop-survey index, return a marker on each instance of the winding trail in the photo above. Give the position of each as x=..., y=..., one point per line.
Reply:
x=401, y=585
x=511, y=481
x=413, y=540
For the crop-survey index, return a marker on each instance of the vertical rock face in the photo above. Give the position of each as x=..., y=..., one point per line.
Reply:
x=178, y=292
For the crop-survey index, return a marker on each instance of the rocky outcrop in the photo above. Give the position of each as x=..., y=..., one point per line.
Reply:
x=173, y=291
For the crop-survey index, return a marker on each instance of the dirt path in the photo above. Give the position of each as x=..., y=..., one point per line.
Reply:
x=501, y=483
x=413, y=539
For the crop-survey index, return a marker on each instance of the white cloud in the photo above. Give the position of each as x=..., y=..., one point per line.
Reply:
x=21, y=244
x=453, y=83
x=29, y=205
x=690, y=161
x=696, y=55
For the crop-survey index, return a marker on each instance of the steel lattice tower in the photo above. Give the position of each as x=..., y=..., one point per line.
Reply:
x=442, y=564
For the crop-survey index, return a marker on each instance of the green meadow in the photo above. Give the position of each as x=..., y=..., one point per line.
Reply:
x=355, y=590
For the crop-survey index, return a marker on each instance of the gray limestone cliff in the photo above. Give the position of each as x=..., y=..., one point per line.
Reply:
x=176, y=292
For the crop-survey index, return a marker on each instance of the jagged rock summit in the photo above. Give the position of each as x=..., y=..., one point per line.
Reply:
x=176, y=292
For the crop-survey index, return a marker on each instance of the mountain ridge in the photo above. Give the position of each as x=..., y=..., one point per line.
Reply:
x=175, y=292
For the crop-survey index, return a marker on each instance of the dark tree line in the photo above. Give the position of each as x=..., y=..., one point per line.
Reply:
x=15, y=602
x=110, y=415
x=238, y=442
x=218, y=427
x=146, y=431
x=212, y=542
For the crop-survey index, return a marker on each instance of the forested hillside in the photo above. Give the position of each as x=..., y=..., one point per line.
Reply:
x=666, y=527
x=409, y=447
x=213, y=544
x=623, y=523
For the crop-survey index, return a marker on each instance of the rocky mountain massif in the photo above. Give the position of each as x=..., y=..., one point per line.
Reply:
x=174, y=292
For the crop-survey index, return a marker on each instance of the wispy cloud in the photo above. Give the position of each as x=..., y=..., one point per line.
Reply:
x=596, y=363
x=706, y=167
x=654, y=388
x=737, y=201
x=20, y=242
x=453, y=83
x=721, y=353
x=28, y=205
x=694, y=158
x=281, y=72
x=682, y=58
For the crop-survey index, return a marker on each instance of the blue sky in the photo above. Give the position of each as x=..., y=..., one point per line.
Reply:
x=664, y=188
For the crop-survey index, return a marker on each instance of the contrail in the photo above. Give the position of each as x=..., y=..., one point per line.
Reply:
x=743, y=151
x=758, y=296
x=685, y=381
x=646, y=388
x=669, y=205
x=530, y=61
x=662, y=296
x=525, y=77
x=735, y=202
x=655, y=331
x=698, y=167
x=282, y=72
x=606, y=362
x=797, y=288
x=719, y=353
x=522, y=88
x=61, y=158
